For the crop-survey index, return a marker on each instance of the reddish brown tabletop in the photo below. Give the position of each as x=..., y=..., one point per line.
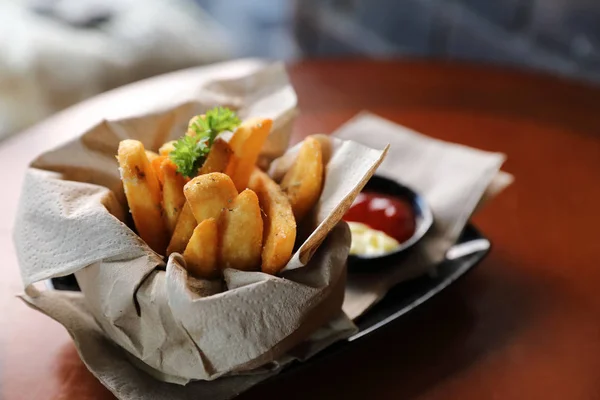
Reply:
x=525, y=324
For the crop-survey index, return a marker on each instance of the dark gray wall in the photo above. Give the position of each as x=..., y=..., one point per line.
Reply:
x=560, y=36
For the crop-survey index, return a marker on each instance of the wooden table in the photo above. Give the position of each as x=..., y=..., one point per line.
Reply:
x=523, y=325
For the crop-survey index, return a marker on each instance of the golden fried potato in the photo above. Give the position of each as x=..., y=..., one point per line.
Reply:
x=167, y=148
x=201, y=251
x=303, y=182
x=279, y=233
x=208, y=194
x=156, y=162
x=184, y=229
x=218, y=158
x=241, y=232
x=151, y=155
x=190, y=130
x=173, y=198
x=142, y=190
x=247, y=142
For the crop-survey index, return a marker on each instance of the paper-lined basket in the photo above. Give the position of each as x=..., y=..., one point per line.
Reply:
x=72, y=219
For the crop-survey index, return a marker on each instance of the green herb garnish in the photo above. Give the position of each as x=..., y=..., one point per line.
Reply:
x=191, y=150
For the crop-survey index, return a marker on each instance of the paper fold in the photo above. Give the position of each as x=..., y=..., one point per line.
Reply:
x=72, y=219
x=453, y=179
x=145, y=328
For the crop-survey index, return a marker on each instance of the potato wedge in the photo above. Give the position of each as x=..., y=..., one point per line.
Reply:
x=208, y=194
x=173, y=198
x=142, y=190
x=218, y=158
x=201, y=251
x=151, y=155
x=156, y=163
x=190, y=131
x=167, y=148
x=279, y=234
x=241, y=232
x=246, y=143
x=303, y=182
x=184, y=229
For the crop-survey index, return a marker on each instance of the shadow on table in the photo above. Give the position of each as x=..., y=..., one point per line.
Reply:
x=443, y=337
x=76, y=381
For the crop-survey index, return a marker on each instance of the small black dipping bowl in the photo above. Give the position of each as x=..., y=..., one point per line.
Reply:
x=423, y=221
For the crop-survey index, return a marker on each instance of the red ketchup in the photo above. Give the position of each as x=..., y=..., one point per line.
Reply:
x=385, y=213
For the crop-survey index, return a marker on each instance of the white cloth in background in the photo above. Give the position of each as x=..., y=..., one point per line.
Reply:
x=54, y=53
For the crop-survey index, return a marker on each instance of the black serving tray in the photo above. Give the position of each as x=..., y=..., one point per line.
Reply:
x=469, y=250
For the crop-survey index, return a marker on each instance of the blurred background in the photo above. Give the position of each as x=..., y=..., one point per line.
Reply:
x=54, y=53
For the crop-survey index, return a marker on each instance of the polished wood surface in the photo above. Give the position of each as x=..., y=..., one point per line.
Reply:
x=525, y=324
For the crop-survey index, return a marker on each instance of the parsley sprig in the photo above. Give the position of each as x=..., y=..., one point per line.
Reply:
x=191, y=150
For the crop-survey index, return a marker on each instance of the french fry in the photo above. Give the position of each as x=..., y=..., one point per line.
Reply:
x=246, y=143
x=167, y=148
x=151, y=155
x=201, y=251
x=186, y=221
x=184, y=229
x=190, y=131
x=142, y=190
x=279, y=232
x=303, y=182
x=241, y=232
x=173, y=198
x=208, y=194
x=218, y=158
x=156, y=162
